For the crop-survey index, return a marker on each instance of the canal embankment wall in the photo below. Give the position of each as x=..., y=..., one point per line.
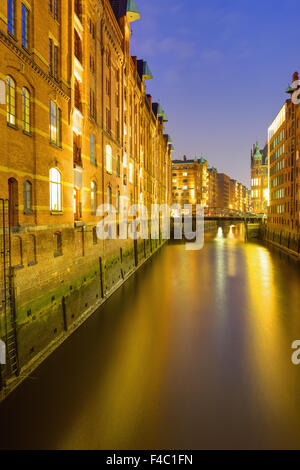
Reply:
x=287, y=242
x=59, y=280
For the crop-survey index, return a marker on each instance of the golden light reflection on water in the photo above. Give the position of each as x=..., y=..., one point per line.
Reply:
x=270, y=345
x=192, y=352
x=136, y=370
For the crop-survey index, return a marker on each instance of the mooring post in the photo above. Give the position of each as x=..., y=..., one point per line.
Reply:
x=101, y=277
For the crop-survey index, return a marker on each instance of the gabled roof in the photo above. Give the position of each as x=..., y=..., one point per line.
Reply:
x=257, y=152
x=157, y=109
x=165, y=117
x=125, y=8
x=144, y=70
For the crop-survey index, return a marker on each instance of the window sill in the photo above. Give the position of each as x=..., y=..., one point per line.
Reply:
x=26, y=49
x=28, y=212
x=12, y=36
x=18, y=266
x=53, y=144
x=27, y=133
x=56, y=254
x=79, y=223
x=32, y=263
x=56, y=213
x=12, y=126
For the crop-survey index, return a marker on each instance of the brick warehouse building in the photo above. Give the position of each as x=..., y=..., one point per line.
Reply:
x=284, y=174
x=259, y=179
x=77, y=130
x=190, y=181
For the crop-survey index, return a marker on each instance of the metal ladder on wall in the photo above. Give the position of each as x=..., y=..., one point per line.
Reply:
x=7, y=307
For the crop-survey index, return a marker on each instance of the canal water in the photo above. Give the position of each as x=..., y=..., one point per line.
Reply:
x=193, y=352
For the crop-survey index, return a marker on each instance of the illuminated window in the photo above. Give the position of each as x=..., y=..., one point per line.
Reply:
x=192, y=193
x=93, y=197
x=174, y=181
x=108, y=159
x=11, y=16
x=130, y=173
x=26, y=110
x=24, y=20
x=55, y=124
x=184, y=187
x=55, y=190
x=11, y=100
x=184, y=173
x=125, y=160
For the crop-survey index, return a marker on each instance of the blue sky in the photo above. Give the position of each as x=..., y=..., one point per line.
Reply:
x=220, y=69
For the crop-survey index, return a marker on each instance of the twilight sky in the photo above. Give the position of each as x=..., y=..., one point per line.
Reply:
x=220, y=69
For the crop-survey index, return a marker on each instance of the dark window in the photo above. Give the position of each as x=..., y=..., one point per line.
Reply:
x=77, y=47
x=55, y=124
x=55, y=9
x=27, y=197
x=11, y=16
x=108, y=195
x=58, y=244
x=50, y=54
x=92, y=104
x=107, y=119
x=95, y=238
x=92, y=149
x=55, y=60
x=118, y=202
x=25, y=18
x=118, y=162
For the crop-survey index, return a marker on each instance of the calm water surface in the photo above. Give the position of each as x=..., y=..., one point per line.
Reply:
x=194, y=351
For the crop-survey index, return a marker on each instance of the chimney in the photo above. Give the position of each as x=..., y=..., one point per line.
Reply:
x=184, y=158
x=150, y=100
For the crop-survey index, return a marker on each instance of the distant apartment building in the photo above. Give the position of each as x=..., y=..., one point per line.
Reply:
x=239, y=197
x=190, y=181
x=223, y=191
x=284, y=165
x=247, y=204
x=259, y=179
x=212, y=188
x=193, y=182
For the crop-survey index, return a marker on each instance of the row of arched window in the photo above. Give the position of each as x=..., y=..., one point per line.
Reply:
x=56, y=193
x=11, y=108
x=55, y=189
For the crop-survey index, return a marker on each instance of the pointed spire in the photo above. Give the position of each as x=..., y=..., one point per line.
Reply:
x=257, y=153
